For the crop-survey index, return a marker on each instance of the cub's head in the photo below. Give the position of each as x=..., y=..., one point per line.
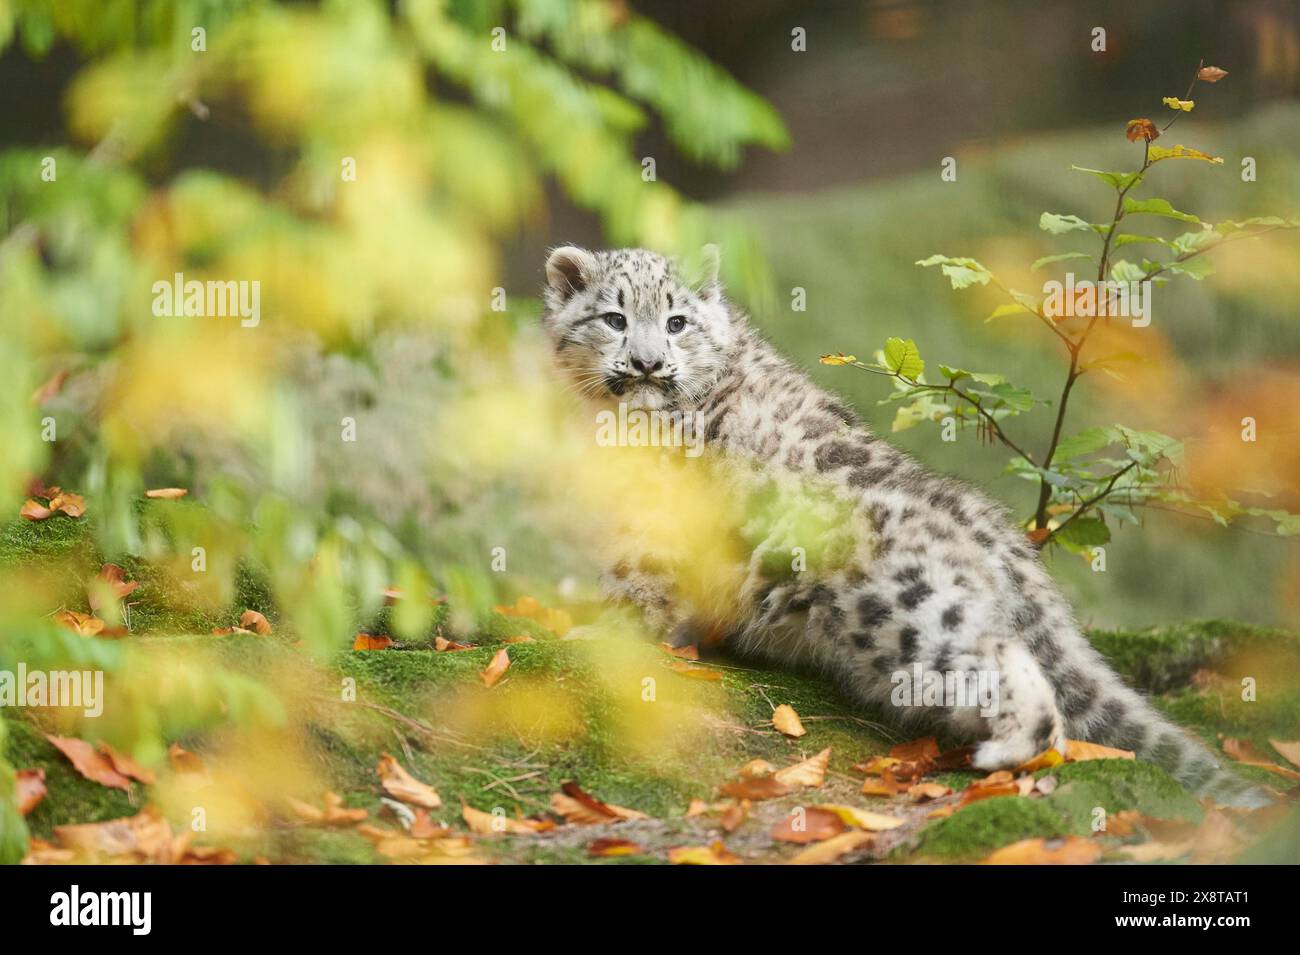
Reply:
x=626, y=328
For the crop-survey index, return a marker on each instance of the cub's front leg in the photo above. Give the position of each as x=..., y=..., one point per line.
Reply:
x=648, y=586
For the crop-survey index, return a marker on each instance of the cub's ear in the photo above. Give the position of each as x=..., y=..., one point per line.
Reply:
x=710, y=288
x=568, y=271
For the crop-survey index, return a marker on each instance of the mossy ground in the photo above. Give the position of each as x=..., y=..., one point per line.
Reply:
x=618, y=718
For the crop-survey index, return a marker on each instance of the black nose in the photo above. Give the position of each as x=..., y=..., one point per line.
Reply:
x=647, y=368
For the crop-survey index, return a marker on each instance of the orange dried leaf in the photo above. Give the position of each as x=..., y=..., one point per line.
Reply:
x=1211, y=74
x=404, y=787
x=1141, y=129
x=366, y=641
x=1244, y=752
x=182, y=760
x=580, y=808
x=85, y=624
x=126, y=765
x=498, y=823
x=33, y=510
x=1070, y=850
x=252, y=620
x=832, y=849
x=496, y=668
x=805, y=825
x=787, y=721
x=29, y=787
x=715, y=853
x=691, y=652
x=94, y=765
x=766, y=787
x=443, y=645
x=756, y=769
x=613, y=848
x=1078, y=751
x=166, y=493
x=810, y=772
x=924, y=792
x=735, y=814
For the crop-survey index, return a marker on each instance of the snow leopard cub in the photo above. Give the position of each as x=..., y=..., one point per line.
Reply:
x=943, y=578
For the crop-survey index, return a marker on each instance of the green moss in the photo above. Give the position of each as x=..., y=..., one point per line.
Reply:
x=975, y=831
x=1161, y=658
x=1116, y=785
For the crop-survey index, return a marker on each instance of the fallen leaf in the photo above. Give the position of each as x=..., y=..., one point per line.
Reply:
x=423, y=827
x=85, y=624
x=557, y=621
x=735, y=814
x=715, y=853
x=833, y=848
x=885, y=786
x=111, y=581
x=787, y=721
x=697, y=807
x=496, y=668
x=805, y=825
x=580, y=808
x=766, y=787
x=861, y=818
x=1211, y=74
x=691, y=652
x=404, y=787
x=126, y=765
x=29, y=786
x=1044, y=760
x=92, y=764
x=612, y=848
x=1244, y=752
x=756, y=769
x=227, y=631
x=182, y=760
x=1078, y=751
x=924, y=792
x=925, y=749
x=810, y=772
x=252, y=620
x=34, y=511
x=443, y=645
x=334, y=813
x=1289, y=751
x=1070, y=850
x=367, y=641
x=166, y=493
x=498, y=823
x=143, y=838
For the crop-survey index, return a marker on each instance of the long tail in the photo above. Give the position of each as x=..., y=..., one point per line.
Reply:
x=1121, y=717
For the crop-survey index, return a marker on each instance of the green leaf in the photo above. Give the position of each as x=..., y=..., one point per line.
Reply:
x=1125, y=271
x=962, y=272
x=1197, y=268
x=903, y=358
x=1084, y=532
x=1120, y=180
x=1049, y=259
x=1156, y=207
x=1060, y=224
x=1122, y=240
x=1085, y=442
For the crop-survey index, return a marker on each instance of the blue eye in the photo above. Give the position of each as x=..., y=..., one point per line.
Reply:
x=615, y=321
x=676, y=324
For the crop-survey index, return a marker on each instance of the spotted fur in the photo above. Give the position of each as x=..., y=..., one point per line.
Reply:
x=941, y=577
